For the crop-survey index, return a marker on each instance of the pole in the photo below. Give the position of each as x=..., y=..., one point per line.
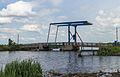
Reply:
x=56, y=34
x=75, y=35
x=69, y=34
x=116, y=34
x=48, y=34
x=18, y=39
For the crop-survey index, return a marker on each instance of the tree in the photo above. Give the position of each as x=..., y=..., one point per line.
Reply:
x=11, y=42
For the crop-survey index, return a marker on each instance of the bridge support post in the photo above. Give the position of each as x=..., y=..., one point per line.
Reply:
x=56, y=34
x=75, y=35
x=48, y=34
x=69, y=35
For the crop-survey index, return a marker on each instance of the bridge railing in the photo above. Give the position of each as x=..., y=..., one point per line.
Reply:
x=64, y=44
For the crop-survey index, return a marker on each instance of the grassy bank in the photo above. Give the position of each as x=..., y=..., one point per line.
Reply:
x=12, y=48
x=109, y=51
x=22, y=69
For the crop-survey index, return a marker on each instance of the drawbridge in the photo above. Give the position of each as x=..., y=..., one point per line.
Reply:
x=71, y=36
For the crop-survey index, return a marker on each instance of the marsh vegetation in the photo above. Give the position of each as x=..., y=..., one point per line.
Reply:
x=25, y=68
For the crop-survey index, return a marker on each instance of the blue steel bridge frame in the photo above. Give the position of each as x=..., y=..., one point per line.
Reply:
x=69, y=24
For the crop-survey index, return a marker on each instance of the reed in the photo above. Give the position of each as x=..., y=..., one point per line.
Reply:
x=25, y=68
x=109, y=51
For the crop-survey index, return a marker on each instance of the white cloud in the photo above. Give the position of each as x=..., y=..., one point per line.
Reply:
x=116, y=20
x=3, y=36
x=103, y=21
x=33, y=27
x=22, y=20
x=9, y=30
x=46, y=12
x=25, y=39
x=56, y=2
x=106, y=22
x=30, y=27
x=4, y=20
x=28, y=38
x=19, y=8
x=62, y=18
x=107, y=19
x=101, y=12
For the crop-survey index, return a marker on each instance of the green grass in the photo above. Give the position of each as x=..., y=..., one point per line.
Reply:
x=26, y=68
x=109, y=51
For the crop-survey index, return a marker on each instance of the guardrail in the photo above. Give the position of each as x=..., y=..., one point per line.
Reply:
x=85, y=44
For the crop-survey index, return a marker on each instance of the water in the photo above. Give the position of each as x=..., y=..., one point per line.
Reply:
x=64, y=62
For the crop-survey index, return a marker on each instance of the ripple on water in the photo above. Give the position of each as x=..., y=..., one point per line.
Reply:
x=64, y=61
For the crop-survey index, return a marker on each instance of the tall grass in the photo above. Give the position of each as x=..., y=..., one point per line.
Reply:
x=25, y=68
x=109, y=51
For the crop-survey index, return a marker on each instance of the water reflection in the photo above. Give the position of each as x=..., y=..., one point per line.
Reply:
x=64, y=61
x=72, y=65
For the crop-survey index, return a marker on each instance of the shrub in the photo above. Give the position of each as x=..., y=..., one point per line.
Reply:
x=109, y=51
x=25, y=68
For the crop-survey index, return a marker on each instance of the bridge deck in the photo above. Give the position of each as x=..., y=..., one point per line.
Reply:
x=62, y=45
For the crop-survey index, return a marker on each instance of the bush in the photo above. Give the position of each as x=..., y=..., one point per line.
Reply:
x=26, y=68
x=109, y=51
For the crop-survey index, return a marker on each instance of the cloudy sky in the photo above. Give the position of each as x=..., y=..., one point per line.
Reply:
x=30, y=19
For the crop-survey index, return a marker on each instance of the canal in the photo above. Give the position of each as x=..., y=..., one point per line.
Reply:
x=64, y=62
